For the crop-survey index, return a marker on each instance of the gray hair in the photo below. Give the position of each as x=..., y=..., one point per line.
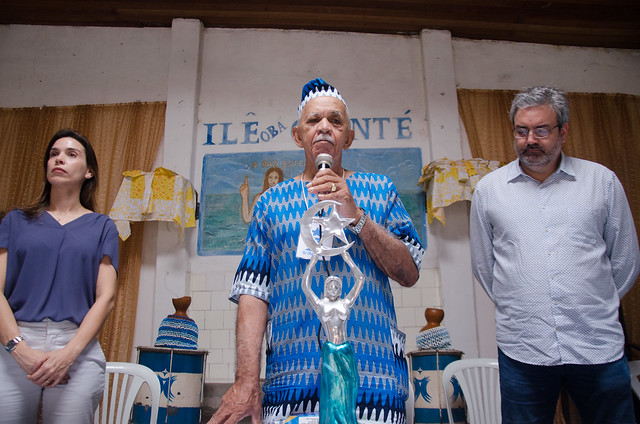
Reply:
x=539, y=96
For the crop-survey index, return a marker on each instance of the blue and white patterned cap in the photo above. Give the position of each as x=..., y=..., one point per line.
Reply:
x=318, y=88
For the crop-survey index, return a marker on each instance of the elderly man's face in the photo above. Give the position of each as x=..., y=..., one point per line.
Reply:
x=323, y=127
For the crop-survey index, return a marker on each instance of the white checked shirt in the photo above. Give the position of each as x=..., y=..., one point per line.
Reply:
x=556, y=258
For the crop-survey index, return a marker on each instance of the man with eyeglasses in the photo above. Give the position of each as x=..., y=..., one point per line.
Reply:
x=553, y=244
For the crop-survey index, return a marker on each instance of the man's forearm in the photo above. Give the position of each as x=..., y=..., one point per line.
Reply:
x=244, y=396
x=389, y=254
x=250, y=327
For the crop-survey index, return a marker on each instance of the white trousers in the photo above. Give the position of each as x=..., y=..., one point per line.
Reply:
x=71, y=403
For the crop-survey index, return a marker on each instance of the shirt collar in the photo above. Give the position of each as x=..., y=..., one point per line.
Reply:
x=566, y=165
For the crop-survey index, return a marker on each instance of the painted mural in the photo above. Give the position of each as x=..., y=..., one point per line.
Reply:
x=232, y=182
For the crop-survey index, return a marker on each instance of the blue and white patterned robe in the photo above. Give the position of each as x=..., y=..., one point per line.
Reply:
x=271, y=271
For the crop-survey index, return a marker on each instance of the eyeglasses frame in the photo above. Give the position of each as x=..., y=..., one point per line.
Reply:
x=533, y=131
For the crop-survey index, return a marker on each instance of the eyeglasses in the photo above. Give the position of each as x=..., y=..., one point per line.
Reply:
x=538, y=132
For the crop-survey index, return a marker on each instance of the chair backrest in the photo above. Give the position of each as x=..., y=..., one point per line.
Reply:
x=480, y=385
x=634, y=369
x=410, y=404
x=120, y=392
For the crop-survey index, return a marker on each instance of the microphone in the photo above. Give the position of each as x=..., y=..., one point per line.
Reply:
x=324, y=161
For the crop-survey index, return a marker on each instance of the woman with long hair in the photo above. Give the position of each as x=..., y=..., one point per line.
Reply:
x=58, y=272
x=272, y=177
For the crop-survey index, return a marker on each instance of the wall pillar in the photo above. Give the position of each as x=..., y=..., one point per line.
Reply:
x=172, y=263
x=454, y=259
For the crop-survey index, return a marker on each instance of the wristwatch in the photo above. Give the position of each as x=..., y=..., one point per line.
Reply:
x=11, y=344
x=355, y=229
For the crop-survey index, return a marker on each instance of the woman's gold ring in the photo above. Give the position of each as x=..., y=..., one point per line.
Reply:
x=333, y=187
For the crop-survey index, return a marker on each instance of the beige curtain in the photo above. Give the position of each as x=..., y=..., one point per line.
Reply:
x=603, y=128
x=124, y=136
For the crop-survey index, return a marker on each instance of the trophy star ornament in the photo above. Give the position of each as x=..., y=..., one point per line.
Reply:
x=332, y=225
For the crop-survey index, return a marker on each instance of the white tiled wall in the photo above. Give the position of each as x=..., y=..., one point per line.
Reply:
x=216, y=315
x=410, y=304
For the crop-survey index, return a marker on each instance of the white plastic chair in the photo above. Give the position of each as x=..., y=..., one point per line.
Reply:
x=634, y=369
x=410, y=404
x=120, y=393
x=480, y=384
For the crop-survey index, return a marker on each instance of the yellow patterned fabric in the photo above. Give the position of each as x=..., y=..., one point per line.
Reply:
x=446, y=181
x=161, y=195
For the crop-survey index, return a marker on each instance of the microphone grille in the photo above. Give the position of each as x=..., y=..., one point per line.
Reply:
x=324, y=158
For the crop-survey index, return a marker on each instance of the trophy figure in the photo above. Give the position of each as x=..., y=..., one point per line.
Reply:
x=339, y=379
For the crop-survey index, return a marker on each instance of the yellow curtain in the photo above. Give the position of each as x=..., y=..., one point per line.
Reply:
x=485, y=114
x=124, y=136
